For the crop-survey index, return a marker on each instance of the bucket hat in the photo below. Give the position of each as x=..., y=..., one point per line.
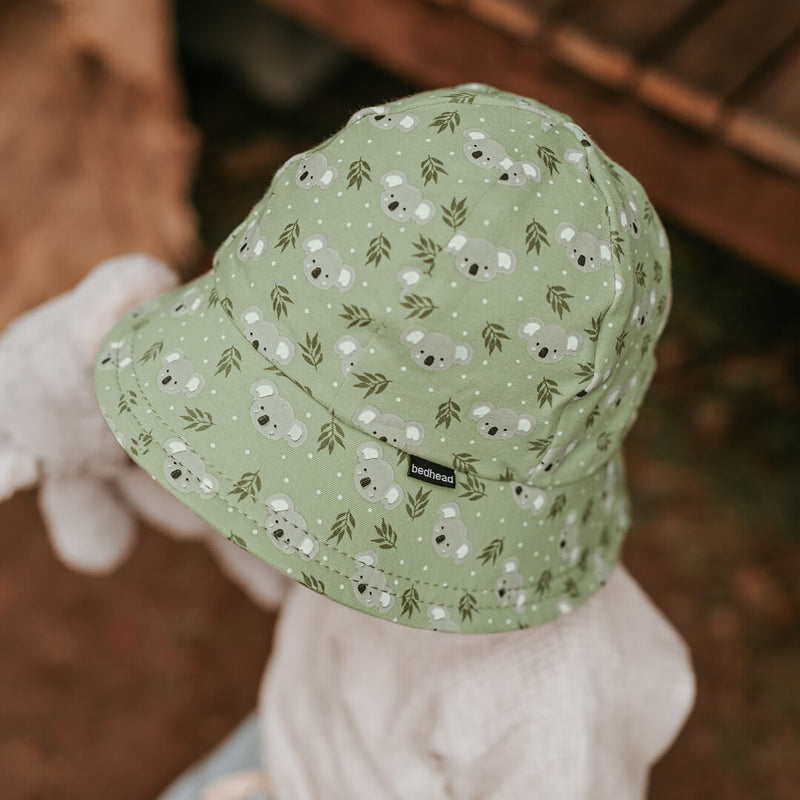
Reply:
x=406, y=380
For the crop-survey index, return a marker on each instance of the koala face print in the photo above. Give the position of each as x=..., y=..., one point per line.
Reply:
x=529, y=497
x=586, y=252
x=348, y=348
x=547, y=120
x=482, y=150
x=313, y=172
x=287, y=529
x=402, y=202
x=500, y=423
x=583, y=137
x=643, y=309
x=602, y=569
x=568, y=547
x=549, y=343
x=552, y=459
x=323, y=265
x=115, y=355
x=578, y=159
x=369, y=583
x=508, y=588
x=598, y=379
x=617, y=394
x=449, y=537
x=185, y=470
x=389, y=427
x=435, y=351
x=478, y=259
x=189, y=303
x=251, y=244
x=264, y=337
x=273, y=416
x=629, y=218
x=177, y=375
x=408, y=277
x=439, y=619
x=515, y=173
x=401, y=121
x=374, y=477
x=609, y=486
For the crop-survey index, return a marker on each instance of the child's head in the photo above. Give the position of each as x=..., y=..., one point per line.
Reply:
x=409, y=374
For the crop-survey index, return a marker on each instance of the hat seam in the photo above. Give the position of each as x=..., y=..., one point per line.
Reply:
x=223, y=473
x=543, y=486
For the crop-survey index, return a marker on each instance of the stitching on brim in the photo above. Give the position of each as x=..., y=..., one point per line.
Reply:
x=414, y=581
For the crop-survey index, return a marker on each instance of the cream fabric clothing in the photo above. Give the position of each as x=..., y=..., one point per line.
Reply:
x=353, y=707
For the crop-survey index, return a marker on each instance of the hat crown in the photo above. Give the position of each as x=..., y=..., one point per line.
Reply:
x=463, y=275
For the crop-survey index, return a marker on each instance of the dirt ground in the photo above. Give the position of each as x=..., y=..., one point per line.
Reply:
x=113, y=685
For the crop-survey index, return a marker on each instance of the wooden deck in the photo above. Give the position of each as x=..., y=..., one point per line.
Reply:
x=700, y=99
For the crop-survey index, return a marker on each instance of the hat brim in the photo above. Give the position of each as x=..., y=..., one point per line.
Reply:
x=288, y=493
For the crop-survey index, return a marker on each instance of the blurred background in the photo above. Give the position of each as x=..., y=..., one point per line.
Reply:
x=155, y=126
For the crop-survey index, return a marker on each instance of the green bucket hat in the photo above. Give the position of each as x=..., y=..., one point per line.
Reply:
x=407, y=378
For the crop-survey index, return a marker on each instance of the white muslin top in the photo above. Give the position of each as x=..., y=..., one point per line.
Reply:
x=353, y=707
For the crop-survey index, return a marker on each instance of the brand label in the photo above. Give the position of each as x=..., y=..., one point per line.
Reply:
x=431, y=473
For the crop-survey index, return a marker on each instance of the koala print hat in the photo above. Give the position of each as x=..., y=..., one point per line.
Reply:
x=407, y=378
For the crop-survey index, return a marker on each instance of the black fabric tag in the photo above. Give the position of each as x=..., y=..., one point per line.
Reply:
x=429, y=472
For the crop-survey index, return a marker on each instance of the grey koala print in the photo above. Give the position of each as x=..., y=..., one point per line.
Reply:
x=609, y=486
x=549, y=343
x=190, y=302
x=374, y=477
x=552, y=458
x=439, y=619
x=369, y=583
x=264, y=336
x=177, y=375
x=578, y=158
x=618, y=393
x=116, y=355
x=251, y=243
x=547, y=120
x=643, y=309
x=385, y=121
x=313, y=172
x=585, y=251
x=508, y=588
x=598, y=379
x=323, y=265
x=602, y=569
x=583, y=137
x=435, y=351
x=408, y=277
x=348, y=348
x=389, y=427
x=287, y=528
x=500, y=423
x=568, y=547
x=185, y=470
x=449, y=536
x=401, y=201
x=482, y=150
x=516, y=173
x=273, y=416
x=529, y=497
x=629, y=218
x=478, y=259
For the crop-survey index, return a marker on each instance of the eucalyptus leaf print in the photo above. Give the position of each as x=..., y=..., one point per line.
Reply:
x=448, y=412
x=358, y=172
x=289, y=235
x=447, y=120
x=455, y=214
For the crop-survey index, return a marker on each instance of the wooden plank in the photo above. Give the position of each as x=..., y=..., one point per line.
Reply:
x=696, y=77
x=768, y=125
x=688, y=175
x=522, y=19
x=609, y=41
